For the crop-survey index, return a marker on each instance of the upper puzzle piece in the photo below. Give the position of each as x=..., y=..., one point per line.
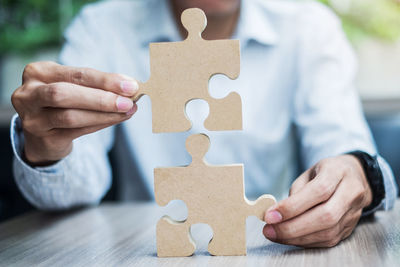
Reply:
x=180, y=72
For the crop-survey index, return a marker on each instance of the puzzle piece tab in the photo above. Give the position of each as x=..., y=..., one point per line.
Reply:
x=180, y=72
x=214, y=195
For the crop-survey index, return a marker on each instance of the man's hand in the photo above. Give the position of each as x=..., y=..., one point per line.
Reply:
x=57, y=104
x=323, y=207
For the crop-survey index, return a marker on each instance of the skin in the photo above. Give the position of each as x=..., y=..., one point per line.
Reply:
x=57, y=104
x=324, y=205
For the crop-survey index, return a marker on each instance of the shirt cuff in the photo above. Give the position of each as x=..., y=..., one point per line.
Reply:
x=17, y=143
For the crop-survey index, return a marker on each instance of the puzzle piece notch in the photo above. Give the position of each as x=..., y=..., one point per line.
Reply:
x=214, y=195
x=180, y=72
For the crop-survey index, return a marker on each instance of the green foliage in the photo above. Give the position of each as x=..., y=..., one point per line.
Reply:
x=26, y=25
x=362, y=18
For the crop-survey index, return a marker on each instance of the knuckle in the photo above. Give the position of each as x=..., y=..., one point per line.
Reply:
x=30, y=70
x=323, y=163
x=329, y=217
x=296, y=186
x=54, y=93
x=34, y=69
x=105, y=101
x=22, y=97
x=67, y=118
x=62, y=119
x=324, y=189
x=285, y=232
x=329, y=165
x=78, y=75
x=16, y=98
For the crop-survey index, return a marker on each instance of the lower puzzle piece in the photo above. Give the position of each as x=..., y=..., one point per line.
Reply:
x=214, y=195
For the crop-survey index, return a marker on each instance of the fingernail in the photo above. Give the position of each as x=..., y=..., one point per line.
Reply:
x=273, y=216
x=132, y=110
x=270, y=232
x=129, y=87
x=124, y=103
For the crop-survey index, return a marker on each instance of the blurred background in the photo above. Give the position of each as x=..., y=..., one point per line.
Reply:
x=31, y=30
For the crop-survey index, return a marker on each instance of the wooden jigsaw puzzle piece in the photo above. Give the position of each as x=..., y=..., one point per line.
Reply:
x=260, y=206
x=180, y=72
x=229, y=238
x=222, y=115
x=174, y=238
x=214, y=195
x=181, y=182
x=168, y=111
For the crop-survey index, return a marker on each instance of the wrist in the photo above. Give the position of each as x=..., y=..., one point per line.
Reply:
x=368, y=194
x=374, y=177
x=38, y=152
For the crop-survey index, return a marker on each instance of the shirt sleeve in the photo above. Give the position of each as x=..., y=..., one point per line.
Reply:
x=327, y=109
x=84, y=176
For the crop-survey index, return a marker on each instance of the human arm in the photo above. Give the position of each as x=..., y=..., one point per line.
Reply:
x=326, y=202
x=57, y=105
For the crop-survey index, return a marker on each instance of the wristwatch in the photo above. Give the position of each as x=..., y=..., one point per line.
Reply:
x=374, y=176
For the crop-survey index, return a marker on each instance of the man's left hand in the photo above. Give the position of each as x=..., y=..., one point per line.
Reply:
x=324, y=205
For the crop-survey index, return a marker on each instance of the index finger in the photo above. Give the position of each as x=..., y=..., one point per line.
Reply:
x=51, y=72
x=313, y=193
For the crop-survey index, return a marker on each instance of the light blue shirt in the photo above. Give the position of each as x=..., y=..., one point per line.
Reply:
x=296, y=82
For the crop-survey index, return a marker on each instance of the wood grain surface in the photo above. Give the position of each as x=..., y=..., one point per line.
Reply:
x=124, y=234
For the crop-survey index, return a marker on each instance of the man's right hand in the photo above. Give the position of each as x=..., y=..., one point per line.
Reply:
x=57, y=104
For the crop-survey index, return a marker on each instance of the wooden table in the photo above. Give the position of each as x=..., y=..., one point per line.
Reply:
x=124, y=234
